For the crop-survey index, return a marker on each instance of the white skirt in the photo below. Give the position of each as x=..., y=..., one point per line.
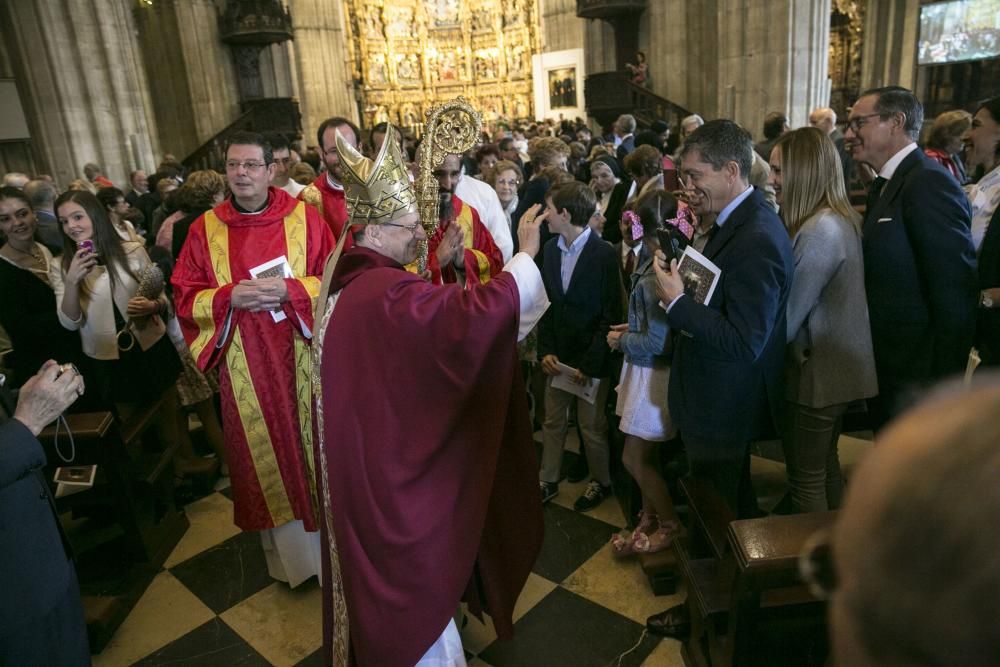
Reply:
x=642, y=403
x=292, y=554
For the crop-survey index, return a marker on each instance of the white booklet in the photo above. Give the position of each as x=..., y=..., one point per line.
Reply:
x=587, y=392
x=73, y=479
x=275, y=268
x=700, y=275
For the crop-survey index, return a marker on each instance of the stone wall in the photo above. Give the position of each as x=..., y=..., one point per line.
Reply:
x=561, y=28
x=79, y=72
x=890, y=37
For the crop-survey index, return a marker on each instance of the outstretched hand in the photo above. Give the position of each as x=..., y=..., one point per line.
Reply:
x=529, y=230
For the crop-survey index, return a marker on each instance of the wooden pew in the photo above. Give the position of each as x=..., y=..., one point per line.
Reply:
x=740, y=573
x=132, y=506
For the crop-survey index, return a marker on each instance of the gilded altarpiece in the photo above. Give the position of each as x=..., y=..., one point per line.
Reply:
x=847, y=19
x=410, y=55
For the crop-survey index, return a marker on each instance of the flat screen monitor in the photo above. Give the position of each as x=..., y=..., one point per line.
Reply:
x=959, y=30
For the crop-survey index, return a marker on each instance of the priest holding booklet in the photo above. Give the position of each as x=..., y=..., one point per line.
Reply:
x=245, y=285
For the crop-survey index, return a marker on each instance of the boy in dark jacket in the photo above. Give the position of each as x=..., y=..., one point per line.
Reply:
x=583, y=283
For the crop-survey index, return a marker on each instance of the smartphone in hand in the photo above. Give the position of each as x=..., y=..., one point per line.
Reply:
x=672, y=243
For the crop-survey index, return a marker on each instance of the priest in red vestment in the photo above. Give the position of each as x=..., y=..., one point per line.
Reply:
x=245, y=287
x=427, y=467
x=327, y=192
x=480, y=258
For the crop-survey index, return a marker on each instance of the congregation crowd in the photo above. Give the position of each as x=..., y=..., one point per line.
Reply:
x=857, y=265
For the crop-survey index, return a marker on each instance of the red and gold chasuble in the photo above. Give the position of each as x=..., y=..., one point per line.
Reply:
x=331, y=204
x=264, y=365
x=483, y=259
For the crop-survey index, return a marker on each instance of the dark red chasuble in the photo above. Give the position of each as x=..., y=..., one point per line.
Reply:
x=429, y=469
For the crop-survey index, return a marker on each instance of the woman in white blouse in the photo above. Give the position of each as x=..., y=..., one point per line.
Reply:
x=134, y=363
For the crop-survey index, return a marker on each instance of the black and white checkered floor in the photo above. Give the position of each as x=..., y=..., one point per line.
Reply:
x=214, y=603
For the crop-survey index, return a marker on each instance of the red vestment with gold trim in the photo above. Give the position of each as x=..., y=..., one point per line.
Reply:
x=483, y=259
x=332, y=205
x=264, y=365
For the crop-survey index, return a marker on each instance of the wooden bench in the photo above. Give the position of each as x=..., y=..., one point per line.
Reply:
x=740, y=573
x=130, y=511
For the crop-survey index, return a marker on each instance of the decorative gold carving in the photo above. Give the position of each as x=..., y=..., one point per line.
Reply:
x=409, y=55
x=847, y=18
x=452, y=127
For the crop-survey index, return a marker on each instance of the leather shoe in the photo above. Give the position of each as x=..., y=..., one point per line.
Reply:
x=674, y=623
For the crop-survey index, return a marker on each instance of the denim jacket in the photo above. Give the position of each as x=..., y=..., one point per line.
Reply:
x=646, y=342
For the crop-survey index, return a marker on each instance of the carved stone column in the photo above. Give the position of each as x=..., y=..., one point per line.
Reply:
x=889, y=57
x=772, y=57
x=84, y=89
x=323, y=64
x=190, y=71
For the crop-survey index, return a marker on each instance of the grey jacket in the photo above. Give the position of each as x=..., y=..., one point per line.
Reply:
x=829, y=358
x=645, y=342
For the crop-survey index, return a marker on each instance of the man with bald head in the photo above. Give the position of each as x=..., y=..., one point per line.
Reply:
x=825, y=120
x=15, y=179
x=914, y=554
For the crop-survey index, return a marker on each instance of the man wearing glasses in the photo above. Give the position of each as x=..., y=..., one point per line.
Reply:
x=427, y=466
x=327, y=192
x=245, y=285
x=920, y=265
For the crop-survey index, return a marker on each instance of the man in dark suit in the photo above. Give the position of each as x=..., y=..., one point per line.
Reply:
x=41, y=616
x=583, y=283
x=725, y=378
x=624, y=136
x=920, y=265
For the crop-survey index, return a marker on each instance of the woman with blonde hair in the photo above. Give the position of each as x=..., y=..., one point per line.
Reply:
x=829, y=361
x=944, y=141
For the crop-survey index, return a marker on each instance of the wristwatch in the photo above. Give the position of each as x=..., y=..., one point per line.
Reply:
x=985, y=301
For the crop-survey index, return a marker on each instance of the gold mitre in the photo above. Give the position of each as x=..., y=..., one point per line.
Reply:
x=376, y=191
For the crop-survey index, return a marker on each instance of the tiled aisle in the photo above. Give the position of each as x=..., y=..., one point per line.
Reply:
x=214, y=603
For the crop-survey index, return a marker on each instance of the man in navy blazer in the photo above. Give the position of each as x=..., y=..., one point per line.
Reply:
x=726, y=373
x=41, y=616
x=920, y=264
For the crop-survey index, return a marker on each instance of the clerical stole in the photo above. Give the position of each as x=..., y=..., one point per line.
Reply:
x=263, y=357
x=483, y=259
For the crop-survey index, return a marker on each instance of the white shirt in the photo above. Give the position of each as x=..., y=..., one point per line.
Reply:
x=984, y=197
x=293, y=187
x=570, y=255
x=890, y=166
x=483, y=198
